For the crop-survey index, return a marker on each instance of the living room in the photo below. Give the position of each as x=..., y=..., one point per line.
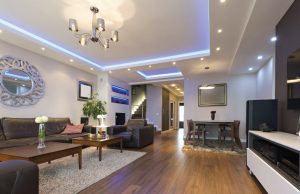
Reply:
x=122, y=97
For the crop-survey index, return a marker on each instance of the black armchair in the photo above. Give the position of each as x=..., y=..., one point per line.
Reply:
x=19, y=176
x=135, y=134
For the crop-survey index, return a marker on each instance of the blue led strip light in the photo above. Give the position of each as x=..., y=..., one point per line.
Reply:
x=119, y=100
x=46, y=42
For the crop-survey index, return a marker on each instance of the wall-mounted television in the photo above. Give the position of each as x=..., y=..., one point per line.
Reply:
x=293, y=80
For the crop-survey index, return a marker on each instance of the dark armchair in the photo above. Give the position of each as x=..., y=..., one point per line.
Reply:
x=135, y=134
x=19, y=176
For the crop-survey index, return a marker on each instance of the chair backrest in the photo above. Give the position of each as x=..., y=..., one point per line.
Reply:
x=190, y=125
x=236, y=124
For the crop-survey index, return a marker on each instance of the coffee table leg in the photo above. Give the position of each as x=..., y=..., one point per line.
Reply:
x=121, y=146
x=80, y=158
x=100, y=153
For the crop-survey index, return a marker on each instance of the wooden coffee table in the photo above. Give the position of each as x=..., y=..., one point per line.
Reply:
x=52, y=151
x=98, y=142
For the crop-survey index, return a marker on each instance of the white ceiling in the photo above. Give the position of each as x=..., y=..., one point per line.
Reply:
x=148, y=29
x=151, y=29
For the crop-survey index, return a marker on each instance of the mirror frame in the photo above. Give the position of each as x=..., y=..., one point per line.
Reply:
x=213, y=104
x=38, y=86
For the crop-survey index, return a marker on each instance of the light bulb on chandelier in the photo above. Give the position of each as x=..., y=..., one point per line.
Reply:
x=96, y=35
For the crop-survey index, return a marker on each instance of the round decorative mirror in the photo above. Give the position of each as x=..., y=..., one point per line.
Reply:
x=21, y=83
x=16, y=82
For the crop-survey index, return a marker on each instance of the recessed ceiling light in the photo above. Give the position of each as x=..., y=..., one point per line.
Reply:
x=16, y=79
x=128, y=69
x=206, y=68
x=174, y=63
x=110, y=72
x=0, y=31
x=43, y=48
x=91, y=69
x=220, y=31
x=177, y=89
x=202, y=59
x=173, y=85
x=181, y=92
x=250, y=68
x=71, y=60
x=23, y=85
x=222, y=1
x=273, y=39
x=150, y=66
x=259, y=57
x=218, y=49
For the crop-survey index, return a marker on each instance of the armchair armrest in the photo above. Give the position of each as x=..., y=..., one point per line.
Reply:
x=18, y=176
x=114, y=130
x=143, y=136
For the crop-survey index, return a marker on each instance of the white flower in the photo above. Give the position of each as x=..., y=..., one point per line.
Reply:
x=44, y=119
x=38, y=119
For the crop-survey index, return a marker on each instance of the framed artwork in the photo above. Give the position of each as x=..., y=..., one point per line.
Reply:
x=85, y=90
x=212, y=95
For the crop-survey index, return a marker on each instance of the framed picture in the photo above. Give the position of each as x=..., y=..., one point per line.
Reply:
x=212, y=95
x=85, y=90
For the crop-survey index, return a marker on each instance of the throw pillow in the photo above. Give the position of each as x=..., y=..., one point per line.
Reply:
x=72, y=129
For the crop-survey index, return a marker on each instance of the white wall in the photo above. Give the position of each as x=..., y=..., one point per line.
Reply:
x=105, y=93
x=239, y=90
x=154, y=105
x=60, y=99
x=265, y=81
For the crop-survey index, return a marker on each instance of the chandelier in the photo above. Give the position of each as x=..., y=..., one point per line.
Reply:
x=96, y=36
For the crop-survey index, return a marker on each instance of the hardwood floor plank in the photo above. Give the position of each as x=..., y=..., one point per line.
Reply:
x=167, y=169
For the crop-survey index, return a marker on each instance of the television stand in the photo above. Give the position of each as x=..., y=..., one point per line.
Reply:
x=273, y=157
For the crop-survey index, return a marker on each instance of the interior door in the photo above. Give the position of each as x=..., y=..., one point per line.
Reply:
x=165, y=109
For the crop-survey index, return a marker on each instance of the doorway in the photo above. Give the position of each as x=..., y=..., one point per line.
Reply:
x=172, y=114
x=181, y=115
x=165, y=110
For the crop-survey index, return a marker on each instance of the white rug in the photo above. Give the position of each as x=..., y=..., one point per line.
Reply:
x=63, y=176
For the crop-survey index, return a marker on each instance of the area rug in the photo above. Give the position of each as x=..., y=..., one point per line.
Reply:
x=213, y=146
x=63, y=176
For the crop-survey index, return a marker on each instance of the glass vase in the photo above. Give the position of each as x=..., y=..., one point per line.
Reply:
x=41, y=136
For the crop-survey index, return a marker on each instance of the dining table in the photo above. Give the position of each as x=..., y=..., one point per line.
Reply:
x=219, y=123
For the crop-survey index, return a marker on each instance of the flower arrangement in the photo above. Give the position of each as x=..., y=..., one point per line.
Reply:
x=42, y=119
x=42, y=131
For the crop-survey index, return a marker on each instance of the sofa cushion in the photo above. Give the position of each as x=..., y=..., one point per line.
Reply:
x=56, y=125
x=73, y=129
x=135, y=123
x=126, y=136
x=15, y=128
x=18, y=142
x=63, y=138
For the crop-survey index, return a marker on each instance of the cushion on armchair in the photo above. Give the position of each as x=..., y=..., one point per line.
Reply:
x=135, y=123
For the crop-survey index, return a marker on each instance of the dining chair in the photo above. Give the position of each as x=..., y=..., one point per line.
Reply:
x=192, y=132
x=226, y=130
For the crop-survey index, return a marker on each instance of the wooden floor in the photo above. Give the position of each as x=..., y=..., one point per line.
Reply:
x=167, y=169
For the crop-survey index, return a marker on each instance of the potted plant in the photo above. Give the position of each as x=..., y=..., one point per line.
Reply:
x=94, y=107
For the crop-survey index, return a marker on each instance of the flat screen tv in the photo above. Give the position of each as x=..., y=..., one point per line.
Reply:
x=293, y=80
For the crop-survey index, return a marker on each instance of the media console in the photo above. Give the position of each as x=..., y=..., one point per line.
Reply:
x=273, y=157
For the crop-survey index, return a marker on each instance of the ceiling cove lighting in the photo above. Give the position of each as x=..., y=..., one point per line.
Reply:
x=170, y=58
x=166, y=59
x=160, y=76
x=46, y=42
x=96, y=36
x=259, y=57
